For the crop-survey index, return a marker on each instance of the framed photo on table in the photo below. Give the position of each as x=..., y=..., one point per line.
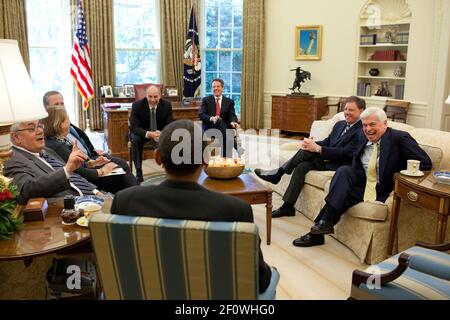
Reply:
x=128, y=90
x=107, y=91
x=308, y=42
x=172, y=91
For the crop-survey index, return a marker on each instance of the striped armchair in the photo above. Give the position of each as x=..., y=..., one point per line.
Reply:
x=143, y=258
x=419, y=273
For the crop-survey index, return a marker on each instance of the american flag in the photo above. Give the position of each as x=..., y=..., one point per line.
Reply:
x=81, y=62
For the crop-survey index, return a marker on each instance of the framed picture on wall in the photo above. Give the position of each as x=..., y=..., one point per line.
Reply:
x=308, y=42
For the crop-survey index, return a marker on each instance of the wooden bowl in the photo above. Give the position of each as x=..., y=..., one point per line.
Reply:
x=229, y=172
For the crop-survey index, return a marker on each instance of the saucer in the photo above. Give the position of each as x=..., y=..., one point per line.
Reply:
x=418, y=174
x=82, y=222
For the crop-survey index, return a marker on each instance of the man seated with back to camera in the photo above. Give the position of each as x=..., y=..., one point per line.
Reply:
x=38, y=171
x=180, y=196
x=381, y=152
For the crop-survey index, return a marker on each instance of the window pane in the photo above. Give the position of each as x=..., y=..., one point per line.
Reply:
x=236, y=85
x=225, y=38
x=237, y=15
x=212, y=16
x=137, y=41
x=237, y=103
x=223, y=32
x=212, y=38
x=209, y=78
x=211, y=60
x=136, y=66
x=226, y=77
x=50, y=45
x=237, y=38
x=226, y=16
x=225, y=61
x=237, y=61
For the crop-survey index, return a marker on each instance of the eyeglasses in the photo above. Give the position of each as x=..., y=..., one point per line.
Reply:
x=34, y=128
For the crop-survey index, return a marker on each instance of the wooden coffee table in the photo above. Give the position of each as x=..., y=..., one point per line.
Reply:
x=245, y=187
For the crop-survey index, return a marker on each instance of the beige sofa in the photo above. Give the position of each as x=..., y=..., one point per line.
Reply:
x=364, y=228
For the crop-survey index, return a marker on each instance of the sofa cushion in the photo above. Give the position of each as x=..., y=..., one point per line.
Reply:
x=434, y=153
x=318, y=178
x=375, y=211
x=435, y=138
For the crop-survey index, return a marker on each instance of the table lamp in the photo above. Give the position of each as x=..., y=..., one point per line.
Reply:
x=448, y=100
x=18, y=100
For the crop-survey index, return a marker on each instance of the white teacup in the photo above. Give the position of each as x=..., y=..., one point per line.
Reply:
x=91, y=209
x=413, y=167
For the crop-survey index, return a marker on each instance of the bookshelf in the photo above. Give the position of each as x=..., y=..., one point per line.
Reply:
x=382, y=57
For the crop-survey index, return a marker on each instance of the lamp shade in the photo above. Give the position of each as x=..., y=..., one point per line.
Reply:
x=448, y=100
x=18, y=100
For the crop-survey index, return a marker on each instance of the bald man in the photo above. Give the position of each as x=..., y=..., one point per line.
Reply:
x=148, y=117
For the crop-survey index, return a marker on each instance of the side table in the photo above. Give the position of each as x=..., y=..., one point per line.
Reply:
x=424, y=192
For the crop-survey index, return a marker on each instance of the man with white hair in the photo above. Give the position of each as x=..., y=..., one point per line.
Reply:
x=381, y=152
x=38, y=171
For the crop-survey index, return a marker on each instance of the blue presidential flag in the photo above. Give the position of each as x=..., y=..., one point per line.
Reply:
x=191, y=59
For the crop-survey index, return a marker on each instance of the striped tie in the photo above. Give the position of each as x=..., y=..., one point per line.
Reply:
x=347, y=127
x=85, y=187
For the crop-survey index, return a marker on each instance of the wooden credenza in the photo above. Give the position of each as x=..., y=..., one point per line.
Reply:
x=116, y=125
x=297, y=113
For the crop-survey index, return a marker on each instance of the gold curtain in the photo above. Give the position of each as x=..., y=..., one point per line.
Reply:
x=252, y=88
x=13, y=25
x=100, y=31
x=174, y=26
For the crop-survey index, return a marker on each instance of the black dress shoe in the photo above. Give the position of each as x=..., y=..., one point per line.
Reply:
x=322, y=227
x=139, y=178
x=309, y=240
x=286, y=210
x=273, y=176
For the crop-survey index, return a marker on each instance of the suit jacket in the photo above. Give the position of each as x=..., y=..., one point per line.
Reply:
x=140, y=116
x=85, y=138
x=187, y=200
x=34, y=178
x=338, y=150
x=396, y=147
x=208, y=110
x=64, y=150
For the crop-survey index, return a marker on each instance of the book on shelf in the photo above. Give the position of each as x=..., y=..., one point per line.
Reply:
x=368, y=39
x=399, y=91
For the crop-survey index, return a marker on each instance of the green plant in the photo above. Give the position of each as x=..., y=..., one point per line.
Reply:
x=8, y=204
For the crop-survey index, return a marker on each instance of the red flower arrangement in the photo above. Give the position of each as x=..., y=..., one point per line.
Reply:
x=8, y=203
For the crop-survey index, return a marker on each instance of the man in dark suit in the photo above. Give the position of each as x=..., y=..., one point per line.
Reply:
x=329, y=154
x=148, y=117
x=180, y=196
x=217, y=112
x=38, y=171
x=381, y=152
x=54, y=99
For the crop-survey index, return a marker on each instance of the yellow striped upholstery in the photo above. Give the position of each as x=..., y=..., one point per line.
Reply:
x=147, y=258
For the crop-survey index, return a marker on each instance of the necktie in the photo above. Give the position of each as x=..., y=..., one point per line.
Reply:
x=152, y=119
x=77, y=136
x=85, y=187
x=217, y=107
x=370, y=193
x=347, y=127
